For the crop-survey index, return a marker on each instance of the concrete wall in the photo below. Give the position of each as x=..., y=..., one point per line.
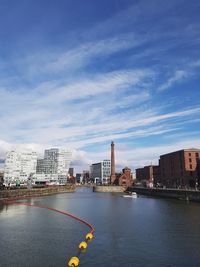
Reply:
x=36, y=191
x=109, y=189
x=167, y=193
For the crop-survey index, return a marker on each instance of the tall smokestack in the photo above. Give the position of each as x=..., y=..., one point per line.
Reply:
x=113, y=177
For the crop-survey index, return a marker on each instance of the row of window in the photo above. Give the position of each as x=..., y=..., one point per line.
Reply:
x=196, y=155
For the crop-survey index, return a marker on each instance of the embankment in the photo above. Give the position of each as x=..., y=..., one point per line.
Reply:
x=193, y=195
x=108, y=189
x=4, y=194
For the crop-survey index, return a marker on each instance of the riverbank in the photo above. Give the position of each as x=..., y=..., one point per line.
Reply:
x=108, y=189
x=191, y=195
x=35, y=192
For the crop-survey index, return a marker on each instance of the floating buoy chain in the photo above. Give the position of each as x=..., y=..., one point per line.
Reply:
x=74, y=261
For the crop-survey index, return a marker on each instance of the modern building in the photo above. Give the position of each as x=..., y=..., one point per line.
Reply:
x=54, y=167
x=86, y=176
x=148, y=175
x=79, y=178
x=180, y=168
x=19, y=166
x=100, y=172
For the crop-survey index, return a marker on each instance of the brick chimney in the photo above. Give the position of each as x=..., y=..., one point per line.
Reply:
x=113, y=177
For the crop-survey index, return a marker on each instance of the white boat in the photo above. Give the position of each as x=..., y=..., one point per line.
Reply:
x=131, y=195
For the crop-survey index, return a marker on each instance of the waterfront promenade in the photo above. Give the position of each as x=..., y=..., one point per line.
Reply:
x=181, y=194
x=108, y=189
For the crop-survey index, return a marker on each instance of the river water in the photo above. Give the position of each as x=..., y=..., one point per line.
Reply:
x=142, y=232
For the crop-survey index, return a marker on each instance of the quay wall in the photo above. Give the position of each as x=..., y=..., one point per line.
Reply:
x=108, y=189
x=15, y=193
x=193, y=195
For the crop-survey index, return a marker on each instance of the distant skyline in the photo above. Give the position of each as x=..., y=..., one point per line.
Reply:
x=79, y=74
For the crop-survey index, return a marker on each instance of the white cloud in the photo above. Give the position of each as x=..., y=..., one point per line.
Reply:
x=81, y=159
x=178, y=76
x=114, y=127
x=42, y=112
x=102, y=83
x=80, y=56
x=6, y=146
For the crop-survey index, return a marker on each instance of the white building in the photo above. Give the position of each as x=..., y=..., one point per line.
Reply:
x=19, y=166
x=54, y=166
x=100, y=172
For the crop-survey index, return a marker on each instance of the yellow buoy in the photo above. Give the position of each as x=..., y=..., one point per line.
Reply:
x=89, y=236
x=73, y=262
x=83, y=245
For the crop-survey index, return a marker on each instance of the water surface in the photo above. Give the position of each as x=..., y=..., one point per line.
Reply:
x=142, y=232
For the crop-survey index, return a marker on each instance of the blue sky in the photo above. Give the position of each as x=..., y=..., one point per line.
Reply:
x=79, y=74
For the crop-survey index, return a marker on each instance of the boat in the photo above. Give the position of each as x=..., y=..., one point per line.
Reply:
x=131, y=195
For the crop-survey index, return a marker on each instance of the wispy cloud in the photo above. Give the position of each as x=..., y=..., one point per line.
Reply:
x=178, y=76
x=102, y=83
x=82, y=55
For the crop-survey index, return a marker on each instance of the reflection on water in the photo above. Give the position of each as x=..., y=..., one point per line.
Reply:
x=142, y=232
x=2, y=206
x=9, y=210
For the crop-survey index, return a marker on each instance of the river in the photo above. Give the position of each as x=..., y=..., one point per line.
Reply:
x=142, y=232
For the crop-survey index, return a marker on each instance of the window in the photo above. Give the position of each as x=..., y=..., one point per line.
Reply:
x=197, y=154
x=190, y=160
x=190, y=166
x=189, y=154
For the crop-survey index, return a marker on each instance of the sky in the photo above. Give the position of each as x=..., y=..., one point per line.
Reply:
x=80, y=74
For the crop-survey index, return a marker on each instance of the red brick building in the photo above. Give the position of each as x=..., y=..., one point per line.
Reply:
x=126, y=177
x=180, y=168
x=148, y=174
